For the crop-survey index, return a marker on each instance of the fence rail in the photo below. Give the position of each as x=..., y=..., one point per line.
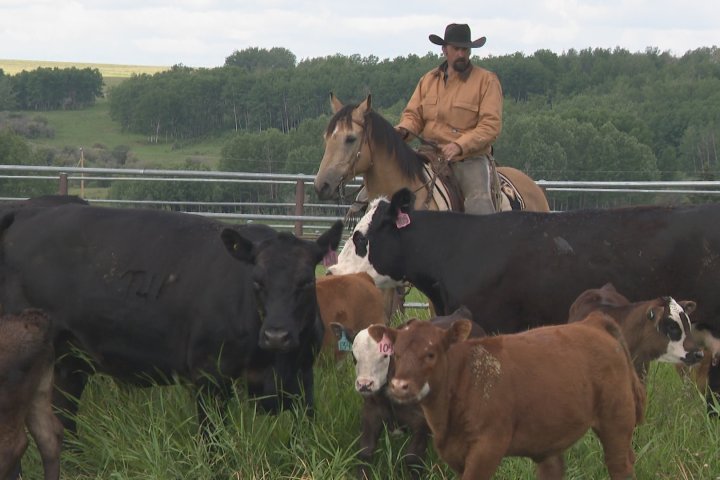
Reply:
x=298, y=220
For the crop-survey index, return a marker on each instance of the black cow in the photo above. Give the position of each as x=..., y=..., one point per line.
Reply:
x=517, y=270
x=150, y=295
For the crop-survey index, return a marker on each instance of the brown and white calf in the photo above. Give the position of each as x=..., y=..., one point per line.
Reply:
x=352, y=300
x=657, y=329
x=26, y=382
x=373, y=366
x=530, y=394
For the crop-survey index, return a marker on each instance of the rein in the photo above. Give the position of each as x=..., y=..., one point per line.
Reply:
x=430, y=184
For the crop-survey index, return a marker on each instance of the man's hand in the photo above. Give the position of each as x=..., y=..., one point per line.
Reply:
x=450, y=151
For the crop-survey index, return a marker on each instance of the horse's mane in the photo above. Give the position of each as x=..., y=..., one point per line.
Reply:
x=382, y=134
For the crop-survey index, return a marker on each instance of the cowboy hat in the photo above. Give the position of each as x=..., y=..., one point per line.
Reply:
x=458, y=35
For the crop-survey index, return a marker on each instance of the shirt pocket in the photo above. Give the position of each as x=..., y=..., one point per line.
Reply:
x=464, y=116
x=430, y=108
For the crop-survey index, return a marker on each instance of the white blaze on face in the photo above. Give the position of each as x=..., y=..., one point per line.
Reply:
x=371, y=366
x=675, y=352
x=352, y=261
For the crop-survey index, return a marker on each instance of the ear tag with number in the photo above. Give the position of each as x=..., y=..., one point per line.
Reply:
x=385, y=345
x=344, y=344
x=402, y=220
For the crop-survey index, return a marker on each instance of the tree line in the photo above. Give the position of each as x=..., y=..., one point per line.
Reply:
x=50, y=89
x=591, y=114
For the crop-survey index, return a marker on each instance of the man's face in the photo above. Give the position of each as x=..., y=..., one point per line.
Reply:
x=457, y=57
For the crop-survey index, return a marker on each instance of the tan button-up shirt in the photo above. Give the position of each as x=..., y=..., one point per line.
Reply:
x=467, y=109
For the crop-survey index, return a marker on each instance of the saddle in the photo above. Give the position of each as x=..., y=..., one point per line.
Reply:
x=446, y=189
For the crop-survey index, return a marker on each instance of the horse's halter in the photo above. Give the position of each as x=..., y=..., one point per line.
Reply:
x=355, y=158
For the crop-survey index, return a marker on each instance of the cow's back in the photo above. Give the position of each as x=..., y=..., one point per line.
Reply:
x=154, y=285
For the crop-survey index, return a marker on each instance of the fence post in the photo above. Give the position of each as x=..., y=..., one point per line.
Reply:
x=63, y=188
x=299, y=206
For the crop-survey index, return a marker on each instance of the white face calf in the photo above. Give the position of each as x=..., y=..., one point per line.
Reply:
x=675, y=325
x=372, y=360
x=355, y=255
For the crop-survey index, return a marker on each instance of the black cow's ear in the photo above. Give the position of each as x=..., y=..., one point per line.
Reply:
x=238, y=246
x=330, y=240
x=402, y=201
x=688, y=305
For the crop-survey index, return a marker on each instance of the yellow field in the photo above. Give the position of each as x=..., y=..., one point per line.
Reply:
x=12, y=67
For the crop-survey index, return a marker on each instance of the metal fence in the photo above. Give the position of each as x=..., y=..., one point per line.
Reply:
x=285, y=215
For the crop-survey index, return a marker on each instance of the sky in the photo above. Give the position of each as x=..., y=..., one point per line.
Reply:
x=202, y=33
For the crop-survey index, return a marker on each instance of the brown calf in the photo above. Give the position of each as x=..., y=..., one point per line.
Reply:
x=530, y=394
x=372, y=368
x=656, y=329
x=26, y=380
x=351, y=300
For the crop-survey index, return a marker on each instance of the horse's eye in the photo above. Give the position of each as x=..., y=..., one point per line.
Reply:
x=350, y=139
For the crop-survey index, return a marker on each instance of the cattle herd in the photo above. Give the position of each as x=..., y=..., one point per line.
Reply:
x=546, y=322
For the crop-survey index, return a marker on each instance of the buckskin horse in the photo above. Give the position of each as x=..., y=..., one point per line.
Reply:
x=359, y=141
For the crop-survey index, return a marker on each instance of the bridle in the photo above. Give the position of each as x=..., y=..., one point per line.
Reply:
x=355, y=158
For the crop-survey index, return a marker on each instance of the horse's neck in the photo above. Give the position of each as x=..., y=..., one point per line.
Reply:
x=385, y=178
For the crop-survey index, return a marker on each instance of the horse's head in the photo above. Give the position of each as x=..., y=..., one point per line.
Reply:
x=347, y=152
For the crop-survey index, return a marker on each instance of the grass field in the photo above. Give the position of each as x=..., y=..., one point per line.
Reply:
x=93, y=126
x=12, y=67
x=126, y=433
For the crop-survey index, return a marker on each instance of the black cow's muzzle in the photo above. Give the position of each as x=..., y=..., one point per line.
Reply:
x=693, y=357
x=277, y=339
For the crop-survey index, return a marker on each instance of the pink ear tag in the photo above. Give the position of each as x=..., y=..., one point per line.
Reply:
x=402, y=220
x=385, y=345
x=330, y=258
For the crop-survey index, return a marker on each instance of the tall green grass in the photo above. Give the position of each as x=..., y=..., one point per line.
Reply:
x=152, y=433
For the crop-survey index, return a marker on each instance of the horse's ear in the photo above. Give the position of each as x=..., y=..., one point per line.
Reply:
x=362, y=109
x=335, y=103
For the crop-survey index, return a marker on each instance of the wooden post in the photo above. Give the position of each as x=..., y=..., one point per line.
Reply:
x=63, y=184
x=299, y=206
x=82, y=174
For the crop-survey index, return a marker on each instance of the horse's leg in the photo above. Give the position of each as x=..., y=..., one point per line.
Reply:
x=394, y=300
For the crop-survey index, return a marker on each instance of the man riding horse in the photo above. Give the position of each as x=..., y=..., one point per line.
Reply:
x=458, y=106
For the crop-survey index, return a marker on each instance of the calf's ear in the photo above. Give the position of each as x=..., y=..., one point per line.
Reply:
x=340, y=330
x=238, y=246
x=688, y=305
x=378, y=331
x=458, y=331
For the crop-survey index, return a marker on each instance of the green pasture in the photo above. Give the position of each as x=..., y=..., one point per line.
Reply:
x=127, y=432
x=92, y=127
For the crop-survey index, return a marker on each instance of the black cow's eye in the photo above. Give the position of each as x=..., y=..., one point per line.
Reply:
x=360, y=241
